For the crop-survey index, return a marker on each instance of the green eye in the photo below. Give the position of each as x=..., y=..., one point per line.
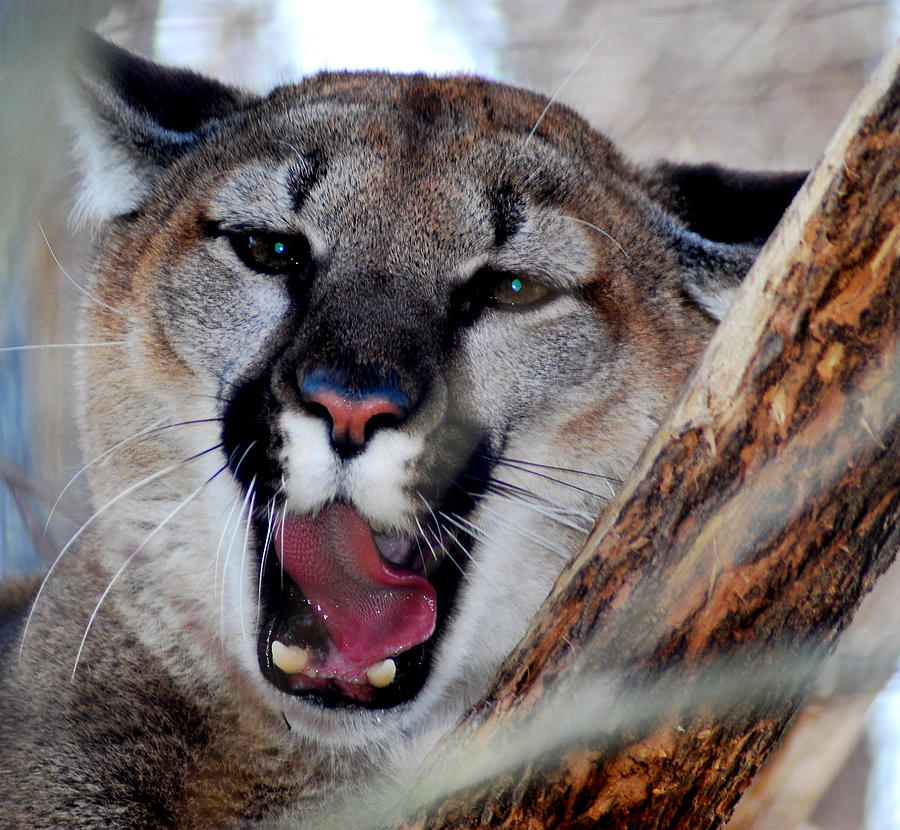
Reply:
x=510, y=290
x=272, y=253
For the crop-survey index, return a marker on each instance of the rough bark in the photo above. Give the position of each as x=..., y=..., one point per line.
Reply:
x=823, y=742
x=676, y=648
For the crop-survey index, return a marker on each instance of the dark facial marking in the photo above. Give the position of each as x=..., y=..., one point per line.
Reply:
x=304, y=176
x=506, y=213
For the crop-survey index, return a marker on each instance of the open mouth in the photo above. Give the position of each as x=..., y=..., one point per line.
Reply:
x=351, y=616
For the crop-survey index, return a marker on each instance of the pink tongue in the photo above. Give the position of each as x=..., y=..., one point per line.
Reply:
x=371, y=608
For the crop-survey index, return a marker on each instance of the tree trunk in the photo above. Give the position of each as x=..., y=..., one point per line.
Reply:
x=677, y=646
x=822, y=747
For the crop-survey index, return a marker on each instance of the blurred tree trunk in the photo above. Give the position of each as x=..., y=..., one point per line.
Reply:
x=674, y=651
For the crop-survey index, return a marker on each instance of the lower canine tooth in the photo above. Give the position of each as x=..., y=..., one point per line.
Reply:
x=290, y=659
x=382, y=674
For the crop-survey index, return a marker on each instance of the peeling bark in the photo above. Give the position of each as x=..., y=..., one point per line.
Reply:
x=683, y=636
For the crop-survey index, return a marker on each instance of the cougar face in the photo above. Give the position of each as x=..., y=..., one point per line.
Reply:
x=393, y=317
x=388, y=345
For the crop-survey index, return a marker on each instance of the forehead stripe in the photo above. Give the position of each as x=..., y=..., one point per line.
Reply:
x=506, y=213
x=303, y=175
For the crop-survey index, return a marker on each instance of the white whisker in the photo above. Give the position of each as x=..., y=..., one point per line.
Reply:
x=127, y=562
x=459, y=544
x=600, y=230
x=270, y=525
x=559, y=515
x=444, y=530
x=90, y=464
x=234, y=532
x=74, y=282
x=565, y=81
x=466, y=527
x=130, y=439
x=424, y=538
x=234, y=503
x=230, y=512
x=126, y=492
x=553, y=480
x=252, y=490
x=526, y=534
x=283, y=518
x=36, y=346
x=518, y=462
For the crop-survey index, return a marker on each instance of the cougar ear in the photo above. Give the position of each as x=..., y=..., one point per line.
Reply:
x=132, y=118
x=722, y=218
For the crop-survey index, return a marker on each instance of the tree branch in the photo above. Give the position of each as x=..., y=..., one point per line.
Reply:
x=678, y=644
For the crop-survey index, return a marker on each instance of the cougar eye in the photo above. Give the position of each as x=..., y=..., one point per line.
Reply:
x=489, y=288
x=503, y=289
x=271, y=253
x=510, y=290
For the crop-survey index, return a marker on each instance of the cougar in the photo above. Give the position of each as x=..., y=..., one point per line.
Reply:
x=375, y=350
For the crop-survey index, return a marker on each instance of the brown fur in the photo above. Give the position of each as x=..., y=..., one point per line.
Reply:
x=168, y=720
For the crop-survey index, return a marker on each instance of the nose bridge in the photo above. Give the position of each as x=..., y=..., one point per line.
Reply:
x=372, y=320
x=363, y=356
x=364, y=361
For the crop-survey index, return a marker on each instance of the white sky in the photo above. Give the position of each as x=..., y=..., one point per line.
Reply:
x=262, y=44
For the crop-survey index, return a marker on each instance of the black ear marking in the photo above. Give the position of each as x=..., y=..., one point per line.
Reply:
x=179, y=100
x=723, y=205
x=132, y=119
x=717, y=220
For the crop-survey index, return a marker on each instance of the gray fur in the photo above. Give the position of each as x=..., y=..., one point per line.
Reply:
x=135, y=698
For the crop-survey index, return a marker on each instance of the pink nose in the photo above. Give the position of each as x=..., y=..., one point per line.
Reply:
x=352, y=418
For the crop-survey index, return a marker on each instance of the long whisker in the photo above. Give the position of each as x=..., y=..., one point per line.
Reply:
x=438, y=540
x=509, y=490
x=466, y=527
x=234, y=503
x=234, y=532
x=443, y=529
x=525, y=534
x=250, y=493
x=503, y=459
x=560, y=516
x=565, y=81
x=506, y=489
x=460, y=545
x=126, y=492
x=500, y=485
x=237, y=468
x=135, y=438
x=437, y=523
x=130, y=559
x=558, y=481
x=600, y=230
x=283, y=519
x=251, y=489
x=35, y=346
x=74, y=282
x=424, y=538
x=270, y=525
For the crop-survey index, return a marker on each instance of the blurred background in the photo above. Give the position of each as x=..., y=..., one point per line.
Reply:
x=750, y=83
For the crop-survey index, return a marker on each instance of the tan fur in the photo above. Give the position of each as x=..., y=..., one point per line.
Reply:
x=419, y=200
